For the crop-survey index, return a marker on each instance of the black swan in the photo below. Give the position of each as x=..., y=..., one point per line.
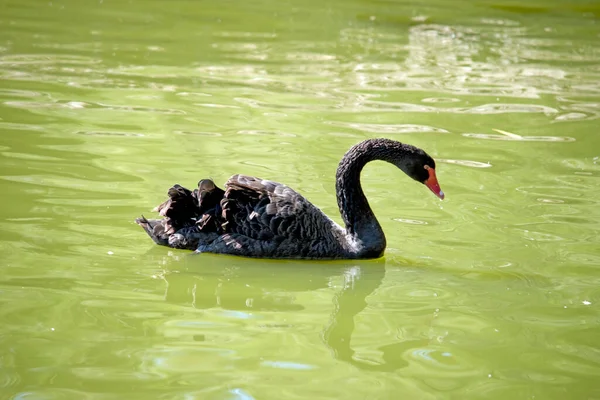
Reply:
x=253, y=217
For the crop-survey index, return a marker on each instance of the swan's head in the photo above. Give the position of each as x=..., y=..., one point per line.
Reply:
x=412, y=160
x=421, y=167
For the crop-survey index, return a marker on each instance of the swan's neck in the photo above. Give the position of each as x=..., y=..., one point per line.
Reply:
x=362, y=226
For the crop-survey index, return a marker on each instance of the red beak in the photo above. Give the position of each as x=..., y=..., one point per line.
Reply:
x=432, y=183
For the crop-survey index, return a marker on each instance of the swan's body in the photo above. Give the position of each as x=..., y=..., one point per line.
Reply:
x=260, y=218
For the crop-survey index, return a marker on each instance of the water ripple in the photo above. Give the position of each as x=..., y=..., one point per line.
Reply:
x=180, y=132
x=107, y=133
x=288, y=365
x=387, y=128
x=37, y=59
x=411, y=221
x=465, y=163
x=56, y=393
x=9, y=377
x=503, y=135
x=482, y=109
x=265, y=133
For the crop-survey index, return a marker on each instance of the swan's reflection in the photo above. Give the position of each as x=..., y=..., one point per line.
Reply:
x=246, y=285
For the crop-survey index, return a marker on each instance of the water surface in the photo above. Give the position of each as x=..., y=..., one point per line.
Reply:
x=492, y=293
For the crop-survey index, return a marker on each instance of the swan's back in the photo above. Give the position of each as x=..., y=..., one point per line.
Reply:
x=269, y=211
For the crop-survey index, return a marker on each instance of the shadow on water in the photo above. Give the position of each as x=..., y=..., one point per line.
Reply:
x=248, y=286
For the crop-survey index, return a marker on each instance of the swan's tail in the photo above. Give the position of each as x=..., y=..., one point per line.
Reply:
x=156, y=229
x=186, y=212
x=181, y=209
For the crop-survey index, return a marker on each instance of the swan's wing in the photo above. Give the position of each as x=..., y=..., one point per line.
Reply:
x=267, y=210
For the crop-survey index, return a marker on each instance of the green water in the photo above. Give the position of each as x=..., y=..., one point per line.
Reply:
x=492, y=293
